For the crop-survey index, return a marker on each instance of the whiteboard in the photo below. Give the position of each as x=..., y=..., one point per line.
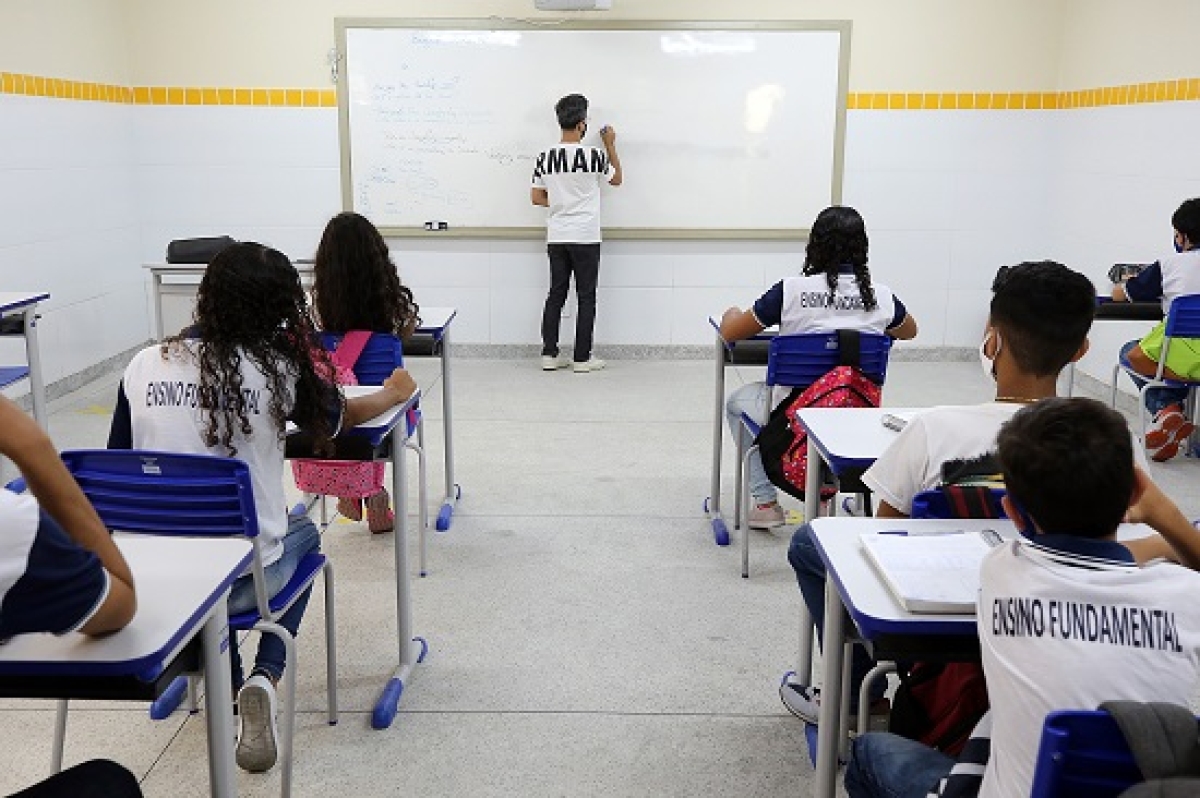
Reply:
x=723, y=131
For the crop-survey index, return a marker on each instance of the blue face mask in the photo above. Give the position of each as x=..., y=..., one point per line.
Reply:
x=1178, y=246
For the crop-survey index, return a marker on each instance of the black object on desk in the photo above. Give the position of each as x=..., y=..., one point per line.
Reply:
x=1107, y=309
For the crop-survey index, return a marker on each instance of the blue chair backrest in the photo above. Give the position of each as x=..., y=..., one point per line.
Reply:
x=1083, y=755
x=936, y=504
x=164, y=493
x=800, y=360
x=1183, y=319
x=381, y=356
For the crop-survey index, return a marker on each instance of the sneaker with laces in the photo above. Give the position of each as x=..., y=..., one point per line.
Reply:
x=765, y=516
x=257, y=748
x=1168, y=433
x=805, y=703
x=555, y=363
x=592, y=364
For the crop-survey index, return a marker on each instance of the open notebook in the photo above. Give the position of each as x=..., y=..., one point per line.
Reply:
x=931, y=573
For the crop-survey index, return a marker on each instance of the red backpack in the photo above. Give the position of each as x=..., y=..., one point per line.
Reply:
x=782, y=441
x=939, y=704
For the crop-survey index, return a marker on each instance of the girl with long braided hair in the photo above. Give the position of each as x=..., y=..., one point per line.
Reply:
x=356, y=289
x=227, y=386
x=833, y=292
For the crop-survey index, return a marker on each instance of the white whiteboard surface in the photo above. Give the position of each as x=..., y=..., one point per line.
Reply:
x=725, y=131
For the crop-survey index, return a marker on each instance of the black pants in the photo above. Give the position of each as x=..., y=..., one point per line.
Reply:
x=584, y=261
x=98, y=778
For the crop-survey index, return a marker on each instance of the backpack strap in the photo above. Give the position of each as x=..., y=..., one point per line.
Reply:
x=1163, y=737
x=849, y=348
x=350, y=348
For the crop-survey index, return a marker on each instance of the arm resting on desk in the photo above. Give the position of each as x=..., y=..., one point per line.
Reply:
x=23, y=442
x=905, y=330
x=1179, y=541
x=396, y=389
x=738, y=325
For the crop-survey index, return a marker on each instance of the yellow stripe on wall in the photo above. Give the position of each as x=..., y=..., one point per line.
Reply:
x=1131, y=94
x=1185, y=89
x=38, y=86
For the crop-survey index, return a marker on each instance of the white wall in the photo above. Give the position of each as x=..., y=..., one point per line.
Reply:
x=68, y=212
x=90, y=190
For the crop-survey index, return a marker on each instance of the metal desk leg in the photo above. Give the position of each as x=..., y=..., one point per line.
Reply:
x=812, y=485
x=37, y=383
x=829, y=730
x=712, y=505
x=156, y=286
x=412, y=649
x=453, y=491
x=218, y=708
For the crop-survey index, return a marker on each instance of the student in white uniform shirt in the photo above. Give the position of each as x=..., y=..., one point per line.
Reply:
x=227, y=386
x=1067, y=594
x=567, y=180
x=1038, y=323
x=60, y=571
x=1170, y=278
x=833, y=292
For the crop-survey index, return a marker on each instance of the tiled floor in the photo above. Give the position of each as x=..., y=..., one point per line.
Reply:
x=586, y=636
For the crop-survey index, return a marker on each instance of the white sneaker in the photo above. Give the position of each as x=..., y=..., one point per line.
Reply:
x=257, y=748
x=555, y=363
x=594, y=364
x=765, y=516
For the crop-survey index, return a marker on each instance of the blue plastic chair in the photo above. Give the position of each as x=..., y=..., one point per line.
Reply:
x=382, y=355
x=1183, y=321
x=1083, y=755
x=797, y=361
x=187, y=495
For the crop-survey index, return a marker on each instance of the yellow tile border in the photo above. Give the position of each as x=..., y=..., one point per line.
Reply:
x=1179, y=90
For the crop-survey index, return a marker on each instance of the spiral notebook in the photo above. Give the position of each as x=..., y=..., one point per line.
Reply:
x=931, y=573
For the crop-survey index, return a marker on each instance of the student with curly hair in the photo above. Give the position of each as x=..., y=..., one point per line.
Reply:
x=356, y=291
x=834, y=292
x=227, y=386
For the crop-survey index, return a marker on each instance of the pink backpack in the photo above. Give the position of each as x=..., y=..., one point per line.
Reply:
x=784, y=444
x=336, y=477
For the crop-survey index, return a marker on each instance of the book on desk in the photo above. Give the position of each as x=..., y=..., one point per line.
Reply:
x=933, y=572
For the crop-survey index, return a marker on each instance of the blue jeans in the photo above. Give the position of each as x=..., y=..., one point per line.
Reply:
x=302, y=538
x=810, y=574
x=1156, y=398
x=753, y=400
x=886, y=765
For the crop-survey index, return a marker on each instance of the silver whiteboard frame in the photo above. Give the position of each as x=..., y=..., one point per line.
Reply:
x=842, y=27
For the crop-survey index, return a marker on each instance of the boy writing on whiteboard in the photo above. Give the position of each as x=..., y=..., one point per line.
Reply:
x=566, y=180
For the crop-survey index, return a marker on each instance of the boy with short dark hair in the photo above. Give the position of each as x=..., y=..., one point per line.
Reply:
x=1171, y=277
x=1038, y=323
x=1067, y=593
x=566, y=181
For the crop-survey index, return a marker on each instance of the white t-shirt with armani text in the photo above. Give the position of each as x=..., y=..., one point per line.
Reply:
x=571, y=173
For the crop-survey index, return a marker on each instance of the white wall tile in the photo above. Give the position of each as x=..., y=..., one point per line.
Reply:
x=632, y=316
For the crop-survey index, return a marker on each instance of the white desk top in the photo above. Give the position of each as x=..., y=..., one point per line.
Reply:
x=851, y=433
x=178, y=581
x=434, y=320
x=862, y=588
x=19, y=300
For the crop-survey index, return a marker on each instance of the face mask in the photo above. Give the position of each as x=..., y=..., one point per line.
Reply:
x=989, y=364
x=1178, y=246
x=583, y=132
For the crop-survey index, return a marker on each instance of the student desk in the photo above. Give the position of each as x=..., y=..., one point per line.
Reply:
x=751, y=352
x=181, y=625
x=853, y=586
x=368, y=441
x=1107, y=309
x=18, y=316
x=432, y=337
x=849, y=440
